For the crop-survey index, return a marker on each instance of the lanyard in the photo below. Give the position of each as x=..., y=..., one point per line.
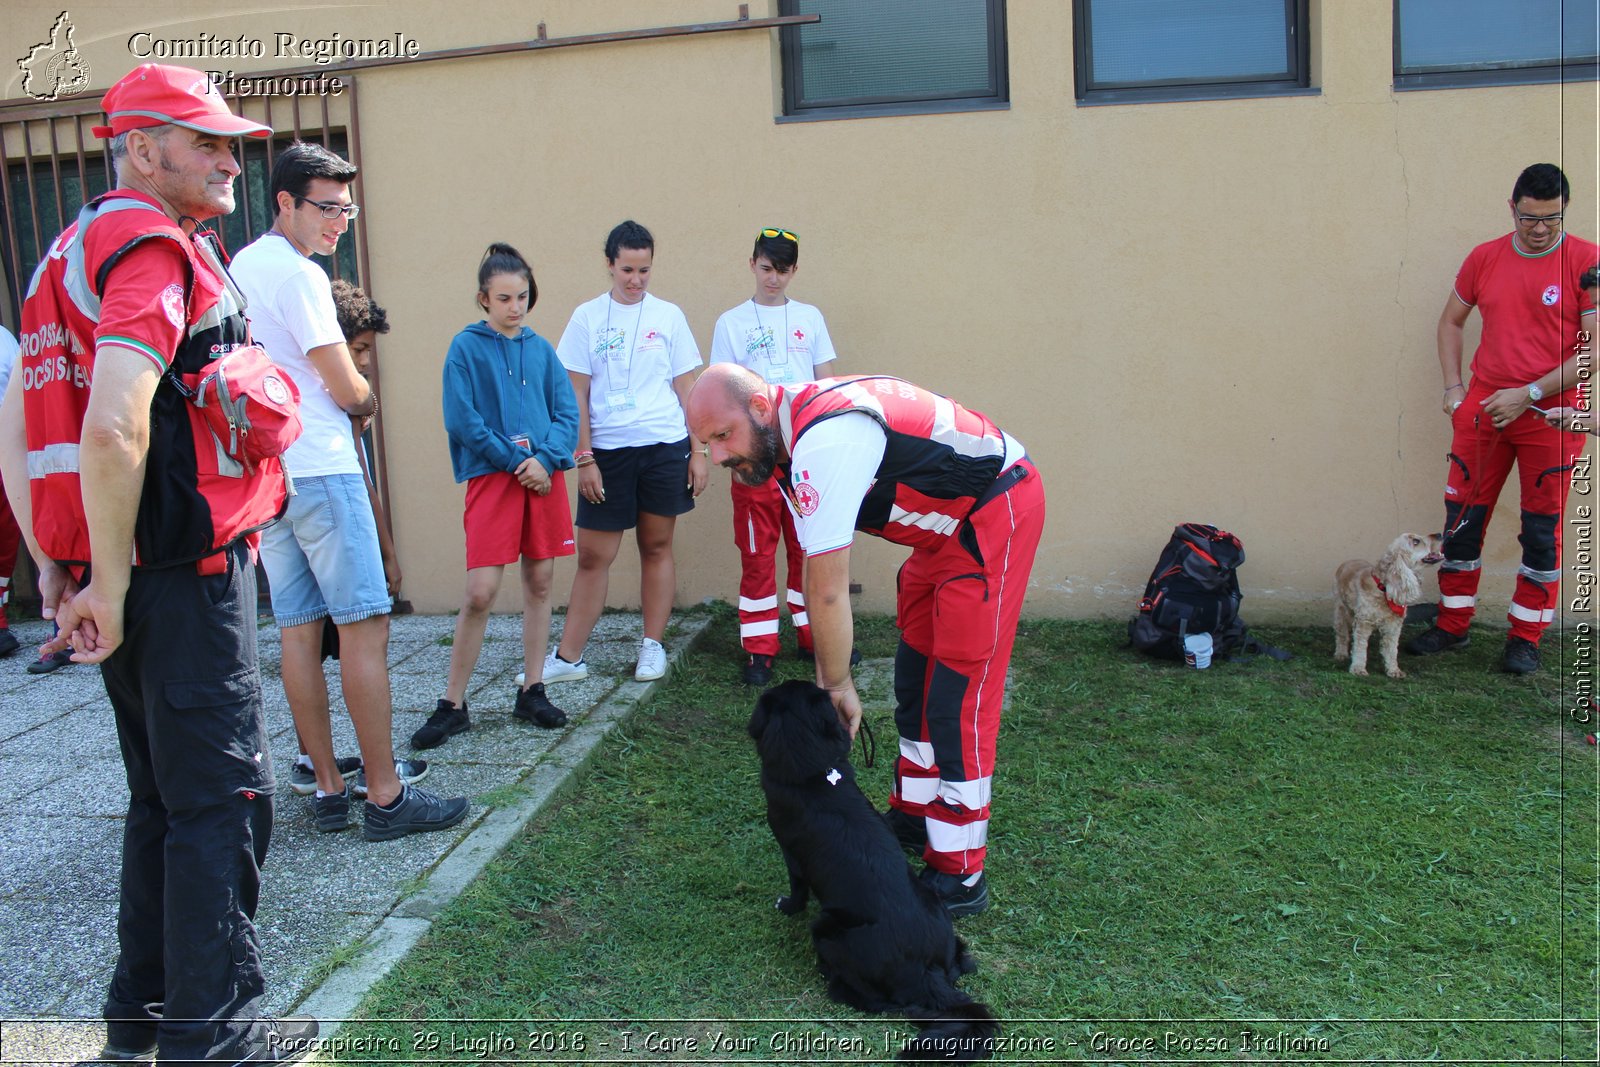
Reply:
x=627, y=369
x=773, y=356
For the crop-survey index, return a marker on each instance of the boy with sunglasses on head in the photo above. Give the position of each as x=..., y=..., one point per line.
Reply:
x=786, y=342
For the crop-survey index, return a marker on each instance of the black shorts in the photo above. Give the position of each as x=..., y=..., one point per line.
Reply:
x=646, y=479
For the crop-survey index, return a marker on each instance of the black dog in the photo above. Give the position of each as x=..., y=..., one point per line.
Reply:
x=884, y=941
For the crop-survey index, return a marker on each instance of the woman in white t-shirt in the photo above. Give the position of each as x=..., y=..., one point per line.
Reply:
x=632, y=360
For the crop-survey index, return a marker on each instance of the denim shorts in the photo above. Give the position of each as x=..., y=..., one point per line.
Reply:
x=322, y=557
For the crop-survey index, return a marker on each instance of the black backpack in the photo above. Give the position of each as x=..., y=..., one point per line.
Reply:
x=1194, y=589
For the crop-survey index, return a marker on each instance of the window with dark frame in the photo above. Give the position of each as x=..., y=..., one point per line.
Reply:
x=1445, y=44
x=894, y=57
x=45, y=193
x=1131, y=51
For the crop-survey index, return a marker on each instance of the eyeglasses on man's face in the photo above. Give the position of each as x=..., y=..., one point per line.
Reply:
x=1530, y=221
x=332, y=210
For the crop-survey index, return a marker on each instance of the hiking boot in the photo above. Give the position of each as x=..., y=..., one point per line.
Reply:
x=303, y=779
x=286, y=1040
x=533, y=706
x=910, y=830
x=409, y=771
x=127, y=1040
x=557, y=669
x=8, y=642
x=1434, y=640
x=446, y=721
x=1521, y=656
x=959, y=899
x=652, y=661
x=757, y=669
x=809, y=655
x=50, y=661
x=414, y=811
x=330, y=812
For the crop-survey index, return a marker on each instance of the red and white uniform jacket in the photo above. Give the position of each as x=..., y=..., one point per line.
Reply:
x=194, y=503
x=939, y=461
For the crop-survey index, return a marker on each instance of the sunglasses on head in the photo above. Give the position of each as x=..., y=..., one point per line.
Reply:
x=788, y=235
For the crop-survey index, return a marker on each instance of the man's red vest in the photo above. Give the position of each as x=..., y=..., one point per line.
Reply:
x=195, y=501
x=939, y=461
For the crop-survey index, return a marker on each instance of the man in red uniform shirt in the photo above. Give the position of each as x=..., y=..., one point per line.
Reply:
x=881, y=455
x=1527, y=286
x=105, y=476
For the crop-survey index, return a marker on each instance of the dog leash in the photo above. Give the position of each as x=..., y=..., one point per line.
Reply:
x=870, y=746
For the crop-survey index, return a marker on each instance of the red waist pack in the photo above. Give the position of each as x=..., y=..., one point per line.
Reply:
x=249, y=404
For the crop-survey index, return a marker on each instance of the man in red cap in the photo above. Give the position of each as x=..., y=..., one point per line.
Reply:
x=112, y=494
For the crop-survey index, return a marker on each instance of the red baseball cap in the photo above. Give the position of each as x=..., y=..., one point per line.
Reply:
x=155, y=95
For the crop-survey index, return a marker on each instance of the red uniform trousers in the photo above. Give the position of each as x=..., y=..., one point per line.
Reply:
x=1480, y=460
x=957, y=612
x=759, y=516
x=10, y=538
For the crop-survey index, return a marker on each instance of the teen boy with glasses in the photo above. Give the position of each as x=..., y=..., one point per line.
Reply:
x=322, y=557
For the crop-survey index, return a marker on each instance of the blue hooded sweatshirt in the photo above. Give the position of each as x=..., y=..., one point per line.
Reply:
x=497, y=388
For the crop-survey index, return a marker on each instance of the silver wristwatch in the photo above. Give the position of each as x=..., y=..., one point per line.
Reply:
x=1535, y=394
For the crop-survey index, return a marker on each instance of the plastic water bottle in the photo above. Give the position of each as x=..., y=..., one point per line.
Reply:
x=1197, y=651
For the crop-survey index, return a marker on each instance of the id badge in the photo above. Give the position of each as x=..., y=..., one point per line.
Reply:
x=779, y=373
x=521, y=441
x=620, y=399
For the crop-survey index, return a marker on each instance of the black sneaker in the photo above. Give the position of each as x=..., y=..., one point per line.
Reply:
x=533, y=706
x=50, y=661
x=286, y=1040
x=446, y=721
x=1434, y=640
x=959, y=899
x=809, y=655
x=8, y=642
x=303, y=779
x=1521, y=657
x=127, y=1040
x=757, y=669
x=909, y=830
x=414, y=811
x=331, y=813
x=409, y=771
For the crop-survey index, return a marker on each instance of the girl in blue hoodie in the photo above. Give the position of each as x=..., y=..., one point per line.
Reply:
x=512, y=419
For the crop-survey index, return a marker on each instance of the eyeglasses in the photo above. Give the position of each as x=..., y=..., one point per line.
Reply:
x=788, y=235
x=1533, y=220
x=331, y=210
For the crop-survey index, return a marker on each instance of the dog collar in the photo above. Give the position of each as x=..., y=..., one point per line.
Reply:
x=1398, y=609
x=833, y=776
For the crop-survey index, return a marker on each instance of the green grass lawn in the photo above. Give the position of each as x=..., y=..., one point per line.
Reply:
x=1348, y=868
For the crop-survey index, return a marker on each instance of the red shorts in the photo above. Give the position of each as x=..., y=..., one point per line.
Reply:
x=505, y=522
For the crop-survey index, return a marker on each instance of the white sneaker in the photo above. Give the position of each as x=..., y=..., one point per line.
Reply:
x=557, y=669
x=652, y=661
x=522, y=679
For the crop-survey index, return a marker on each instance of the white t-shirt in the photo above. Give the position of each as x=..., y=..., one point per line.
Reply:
x=832, y=470
x=10, y=355
x=631, y=353
x=749, y=336
x=290, y=308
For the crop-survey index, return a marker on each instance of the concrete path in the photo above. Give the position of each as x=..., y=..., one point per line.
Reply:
x=336, y=910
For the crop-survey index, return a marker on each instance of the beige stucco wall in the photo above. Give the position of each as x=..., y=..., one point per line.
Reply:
x=1216, y=311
